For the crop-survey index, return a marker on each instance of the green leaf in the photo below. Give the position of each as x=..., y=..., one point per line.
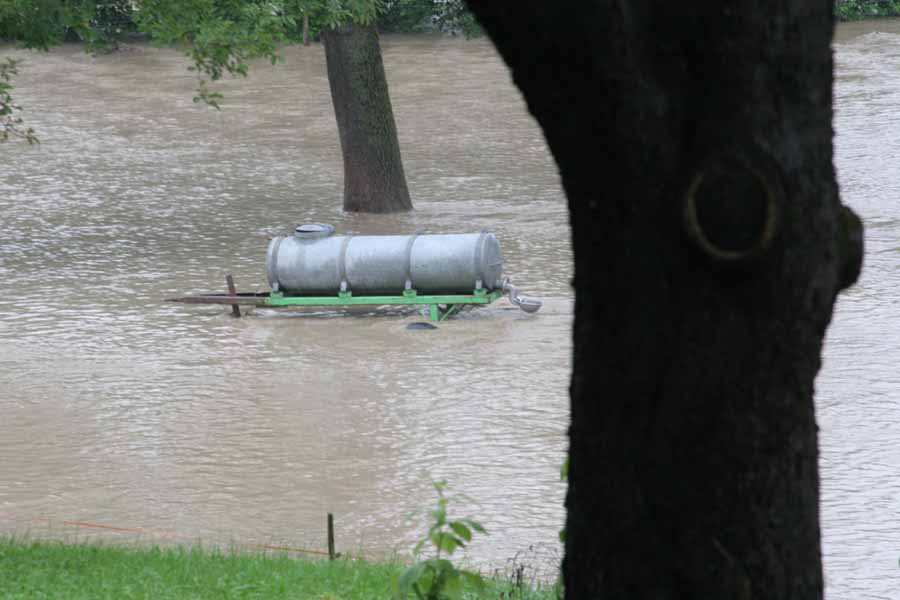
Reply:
x=449, y=543
x=452, y=588
x=426, y=580
x=475, y=525
x=436, y=537
x=473, y=579
x=409, y=577
x=441, y=565
x=461, y=530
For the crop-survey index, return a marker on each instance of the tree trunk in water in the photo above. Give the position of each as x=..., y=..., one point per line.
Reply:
x=373, y=171
x=306, y=30
x=694, y=143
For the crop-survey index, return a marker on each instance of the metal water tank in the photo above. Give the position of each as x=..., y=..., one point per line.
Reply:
x=314, y=261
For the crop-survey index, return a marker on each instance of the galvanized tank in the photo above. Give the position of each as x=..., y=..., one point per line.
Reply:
x=314, y=261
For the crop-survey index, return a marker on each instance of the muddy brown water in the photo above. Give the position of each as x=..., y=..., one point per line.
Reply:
x=118, y=409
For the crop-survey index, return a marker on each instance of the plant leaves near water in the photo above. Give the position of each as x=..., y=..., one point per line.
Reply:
x=436, y=538
x=438, y=578
x=461, y=530
x=440, y=517
x=441, y=564
x=409, y=577
x=452, y=588
x=426, y=580
x=474, y=580
x=449, y=543
x=475, y=525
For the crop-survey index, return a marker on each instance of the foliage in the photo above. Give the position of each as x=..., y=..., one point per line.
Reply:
x=32, y=569
x=438, y=578
x=854, y=10
x=529, y=572
x=36, y=24
x=404, y=16
x=103, y=24
x=10, y=122
x=454, y=16
x=39, y=24
x=62, y=571
x=328, y=13
x=333, y=13
x=222, y=35
x=446, y=16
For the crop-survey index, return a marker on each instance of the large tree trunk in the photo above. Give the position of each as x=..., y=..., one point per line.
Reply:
x=694, y=143
x=373, y=171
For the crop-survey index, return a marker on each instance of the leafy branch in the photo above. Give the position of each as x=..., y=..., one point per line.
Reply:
x=11, y=123
x=222, y=36
x=438, y=578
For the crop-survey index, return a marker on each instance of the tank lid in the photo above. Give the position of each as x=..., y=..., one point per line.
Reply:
x=313, y=230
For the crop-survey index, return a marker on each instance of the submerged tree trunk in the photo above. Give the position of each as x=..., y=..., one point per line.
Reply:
x=694, y=143
x=373, y=171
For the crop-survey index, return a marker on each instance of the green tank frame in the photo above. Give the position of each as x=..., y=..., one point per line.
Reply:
x=440, y=306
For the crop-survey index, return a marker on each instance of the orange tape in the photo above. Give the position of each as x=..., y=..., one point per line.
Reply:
x=162, y=534
x=124, y=529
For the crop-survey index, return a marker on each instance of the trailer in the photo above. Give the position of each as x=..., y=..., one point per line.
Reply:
x=314, y=267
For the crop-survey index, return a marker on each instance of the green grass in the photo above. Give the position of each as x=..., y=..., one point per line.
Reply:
x=38, y=569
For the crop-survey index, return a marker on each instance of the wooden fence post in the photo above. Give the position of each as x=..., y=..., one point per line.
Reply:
x=331, y=553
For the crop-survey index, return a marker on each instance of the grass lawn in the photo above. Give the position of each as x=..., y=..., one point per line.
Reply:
x=37, y=569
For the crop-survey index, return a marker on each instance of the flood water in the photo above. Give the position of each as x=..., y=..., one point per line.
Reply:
x=119, y=409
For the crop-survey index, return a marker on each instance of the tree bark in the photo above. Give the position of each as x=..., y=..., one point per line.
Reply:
x=694, y=144
x=373, y=170
x=306, y=30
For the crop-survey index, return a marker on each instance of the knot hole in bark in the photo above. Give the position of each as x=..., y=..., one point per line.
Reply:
x=730, y=211
x=850, y=232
